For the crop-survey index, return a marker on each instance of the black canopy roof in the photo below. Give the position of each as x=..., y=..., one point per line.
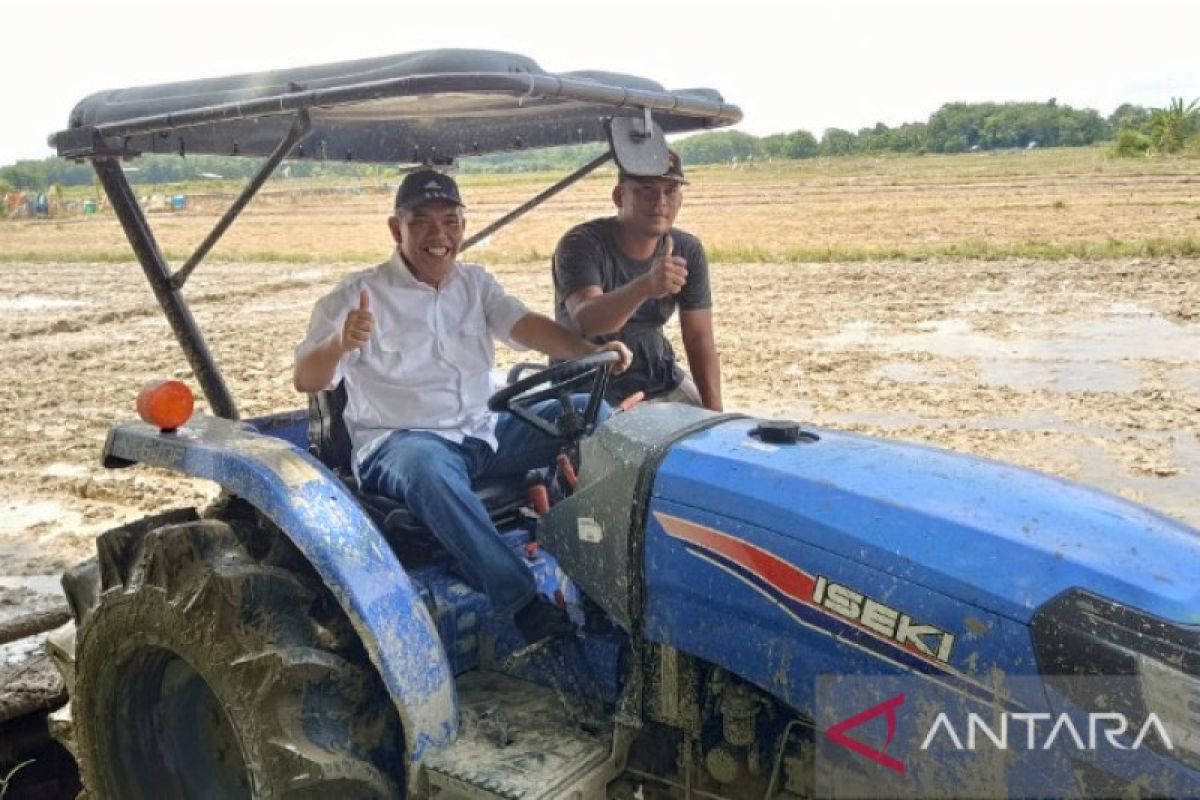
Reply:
x=424, y=107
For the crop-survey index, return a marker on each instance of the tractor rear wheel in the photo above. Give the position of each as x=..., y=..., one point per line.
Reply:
x=204, y=671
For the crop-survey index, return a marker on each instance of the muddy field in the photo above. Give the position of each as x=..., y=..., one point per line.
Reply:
x=1085, y=369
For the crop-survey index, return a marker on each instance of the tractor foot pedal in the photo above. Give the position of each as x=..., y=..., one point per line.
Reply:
x=516, y=742
x=570, y=678
x=562, y=664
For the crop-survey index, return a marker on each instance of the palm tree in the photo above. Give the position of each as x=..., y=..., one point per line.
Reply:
x=1171, y=126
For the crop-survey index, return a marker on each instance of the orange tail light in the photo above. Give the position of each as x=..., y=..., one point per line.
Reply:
x=165, y=404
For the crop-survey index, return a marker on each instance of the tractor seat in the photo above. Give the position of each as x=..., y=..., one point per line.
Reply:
x=329, y=441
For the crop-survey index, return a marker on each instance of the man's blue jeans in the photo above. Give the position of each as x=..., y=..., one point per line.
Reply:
x=432, y=476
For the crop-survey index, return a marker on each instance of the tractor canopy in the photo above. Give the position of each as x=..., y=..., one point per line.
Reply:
x=425, y=107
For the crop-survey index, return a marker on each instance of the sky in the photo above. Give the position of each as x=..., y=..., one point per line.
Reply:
x=788, y=65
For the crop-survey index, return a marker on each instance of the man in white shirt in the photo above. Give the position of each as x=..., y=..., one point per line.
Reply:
x=413, y=340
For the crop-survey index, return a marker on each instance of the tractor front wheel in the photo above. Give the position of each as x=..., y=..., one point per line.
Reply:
x=204, y=672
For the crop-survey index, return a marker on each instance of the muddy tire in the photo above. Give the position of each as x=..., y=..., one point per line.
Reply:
x=203, y=671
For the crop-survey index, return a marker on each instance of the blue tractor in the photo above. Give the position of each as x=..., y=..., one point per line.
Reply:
x=735, y=580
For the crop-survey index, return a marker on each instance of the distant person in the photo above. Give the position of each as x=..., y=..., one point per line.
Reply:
x=412, y=339
x=622, y=277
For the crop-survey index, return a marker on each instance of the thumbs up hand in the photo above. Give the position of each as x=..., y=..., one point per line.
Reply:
x=668, y=273
x=357, y=328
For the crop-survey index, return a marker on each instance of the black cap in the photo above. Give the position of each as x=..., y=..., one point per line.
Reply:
x=425, y=185
x=674, y=171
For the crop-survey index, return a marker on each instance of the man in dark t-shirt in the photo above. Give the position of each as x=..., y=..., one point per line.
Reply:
x=623, y=277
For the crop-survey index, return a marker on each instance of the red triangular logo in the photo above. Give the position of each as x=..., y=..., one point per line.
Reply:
x=837, y=733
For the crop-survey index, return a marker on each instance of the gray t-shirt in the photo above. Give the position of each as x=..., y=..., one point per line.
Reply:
x=588, y=255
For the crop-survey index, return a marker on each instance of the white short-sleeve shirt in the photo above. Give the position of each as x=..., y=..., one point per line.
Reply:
x=427, y=365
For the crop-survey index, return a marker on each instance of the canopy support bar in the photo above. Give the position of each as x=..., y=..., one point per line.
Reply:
x=539, y=198
x=176, y=309
x=300, y=126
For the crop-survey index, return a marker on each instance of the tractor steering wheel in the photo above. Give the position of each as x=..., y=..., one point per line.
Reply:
x=559, y=380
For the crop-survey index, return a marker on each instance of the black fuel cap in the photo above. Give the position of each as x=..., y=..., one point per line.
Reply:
x=782, y=431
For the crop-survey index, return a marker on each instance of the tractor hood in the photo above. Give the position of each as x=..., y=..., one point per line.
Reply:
x=999, y=537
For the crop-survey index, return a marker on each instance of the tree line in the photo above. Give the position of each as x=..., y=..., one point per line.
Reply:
x=158, y=168
x=959, y=128
x=953, y=128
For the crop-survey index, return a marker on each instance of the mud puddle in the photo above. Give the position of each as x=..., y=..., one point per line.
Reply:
x=22, y=303
x=34, y=584
x=20, y=515
x=18, y=595
x=1113, y=338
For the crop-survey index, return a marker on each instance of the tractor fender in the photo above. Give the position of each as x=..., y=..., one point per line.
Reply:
x=320, y=516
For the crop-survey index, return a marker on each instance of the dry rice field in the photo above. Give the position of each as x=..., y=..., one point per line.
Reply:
x=1084, y=367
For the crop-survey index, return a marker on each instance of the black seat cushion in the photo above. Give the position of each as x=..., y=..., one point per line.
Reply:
x=328, y=438
x=329, y=441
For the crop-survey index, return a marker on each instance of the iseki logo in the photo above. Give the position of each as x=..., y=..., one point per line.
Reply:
x=1011, y=731
x=882, y=619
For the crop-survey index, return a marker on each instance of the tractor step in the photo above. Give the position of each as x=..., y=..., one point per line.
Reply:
x=517, y=742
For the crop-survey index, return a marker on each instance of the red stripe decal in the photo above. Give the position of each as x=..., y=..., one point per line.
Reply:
x=783, y=576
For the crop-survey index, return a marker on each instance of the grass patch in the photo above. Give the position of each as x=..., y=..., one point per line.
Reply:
x=531, y=255
x=176, y=259
x=66, y=256
x=971, y=250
